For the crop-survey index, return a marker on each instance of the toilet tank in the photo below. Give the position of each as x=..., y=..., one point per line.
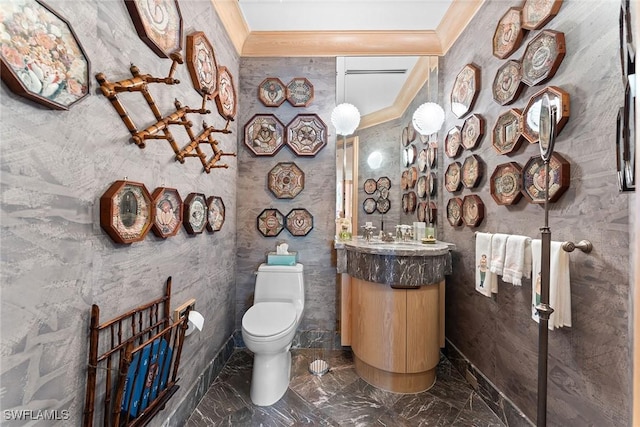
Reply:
x=280, y=283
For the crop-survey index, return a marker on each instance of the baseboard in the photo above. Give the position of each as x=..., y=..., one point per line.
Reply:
x=504, y=408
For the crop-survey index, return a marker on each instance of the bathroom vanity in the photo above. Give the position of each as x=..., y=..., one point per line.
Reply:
x=392, y=310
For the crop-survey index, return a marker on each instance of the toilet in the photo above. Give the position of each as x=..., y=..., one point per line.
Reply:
x=268, y=328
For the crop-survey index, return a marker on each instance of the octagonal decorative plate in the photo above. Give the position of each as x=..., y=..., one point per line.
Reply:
x=370, y=186
x=270, y=222
x=286, y=180
x=432, y=155
x=453, y=142
x=537, y=13
x=383, y=205
x=542, y=57
x=158, y=24
x=421, y=211
x=506, y=136
x=507, y=84
x=413, y=176
x=421, y=186
x=472, y=171
x=369, y=205
x=226, y=97
x=465, y=89
x=272, y=92
x=202, y=64
x=534, y=178
x=58, y=53
x=431, y=184
x=383, y=182
x=558, y=98
x=422, y=159
x=299, y=222
x=216, y=213
x=264, y=135
x=432, y=213
x=306, y=134
x=453, y=177
x=472, y=210
x=508, y=34
x=300, y=92
x=454, y=211
x=505, y=183
x=472, y=131
x=167, y=204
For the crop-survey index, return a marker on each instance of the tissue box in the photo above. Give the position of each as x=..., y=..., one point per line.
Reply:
x=285, y=259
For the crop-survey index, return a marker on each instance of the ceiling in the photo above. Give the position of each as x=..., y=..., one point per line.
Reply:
x=377, y=43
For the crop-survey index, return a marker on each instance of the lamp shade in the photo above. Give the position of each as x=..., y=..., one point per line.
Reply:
x=346, y=118
x=428, y=118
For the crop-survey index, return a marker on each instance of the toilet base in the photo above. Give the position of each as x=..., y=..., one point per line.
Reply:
x=270, y=377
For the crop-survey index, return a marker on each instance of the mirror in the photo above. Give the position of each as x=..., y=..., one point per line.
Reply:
x=386, y=91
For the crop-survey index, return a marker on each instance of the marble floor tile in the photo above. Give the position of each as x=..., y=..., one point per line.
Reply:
x=338, y=398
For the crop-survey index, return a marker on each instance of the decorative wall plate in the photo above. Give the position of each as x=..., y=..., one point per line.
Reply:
x=506, y=136
x=431, y=184
x=404, y=136
x=299, y=222
x=432, y=213
x=404, y=179
x=369, y=205
x=508, y=34
x=422, y=159
x=453, y=142
x=306, y=134
x=195, y=213
x=270, y=222
x=126, y=212
x=472, y=171
x=40, y=73
x=384, y=193
x=421, y=187
x=409, y=155
x=370, y=186
x=472, y=210
x=226, y=100
x=409, y=202
x=411, y=132
x=167, y=205
x=542, y=57
x=215, y=213
x=533, y=178
x=507, y=84
x=158, y=24
x=383, y=205
x=413, y=176
x=537, y=13
x=272, y=92
x=421, y=211
x=383, y=182
x=453, y=177
x=286, y=180
x=264, y=135
x=506, y=182
x=300, y=92
x=454, y=211
x=465, y=89
x=202, y=64
x=558, y=98
x=472, y=131
x=432, y=156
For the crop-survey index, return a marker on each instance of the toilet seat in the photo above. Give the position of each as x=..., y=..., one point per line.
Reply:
x=269, y=319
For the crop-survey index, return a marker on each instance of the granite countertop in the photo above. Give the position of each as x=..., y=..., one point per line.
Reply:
x=409, y=248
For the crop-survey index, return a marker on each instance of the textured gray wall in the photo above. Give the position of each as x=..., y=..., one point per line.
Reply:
x=57, y=261
x=318, y=197
x=589, y=364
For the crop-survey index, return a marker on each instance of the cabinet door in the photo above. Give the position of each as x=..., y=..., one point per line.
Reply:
x=423, y=328
x=378, y=334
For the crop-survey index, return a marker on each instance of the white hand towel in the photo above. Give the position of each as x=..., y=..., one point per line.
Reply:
x=486, y=281
x=559, y=284
x=517, y=250
x=498, y=246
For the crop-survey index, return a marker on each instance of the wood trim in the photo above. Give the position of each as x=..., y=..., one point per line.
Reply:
x=393, y=381
x=635, y=253
x=355, y=205
x=345, y=309
x=455, y=20
x=233, y=22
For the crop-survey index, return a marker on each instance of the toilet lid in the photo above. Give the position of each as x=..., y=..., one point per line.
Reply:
x=269, y=318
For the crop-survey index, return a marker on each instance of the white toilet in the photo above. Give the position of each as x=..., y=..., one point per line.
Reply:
x=268, y=328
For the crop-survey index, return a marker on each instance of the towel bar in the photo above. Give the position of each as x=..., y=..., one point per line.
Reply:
x=584, y=245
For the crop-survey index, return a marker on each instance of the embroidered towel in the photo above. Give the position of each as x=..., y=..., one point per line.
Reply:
x=559, y=284
x=486, y=281
x=498, y=246
x=517, y=251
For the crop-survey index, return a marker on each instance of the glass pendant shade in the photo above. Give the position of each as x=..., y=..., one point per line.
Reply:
x=346, y=118
x=428, y=118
